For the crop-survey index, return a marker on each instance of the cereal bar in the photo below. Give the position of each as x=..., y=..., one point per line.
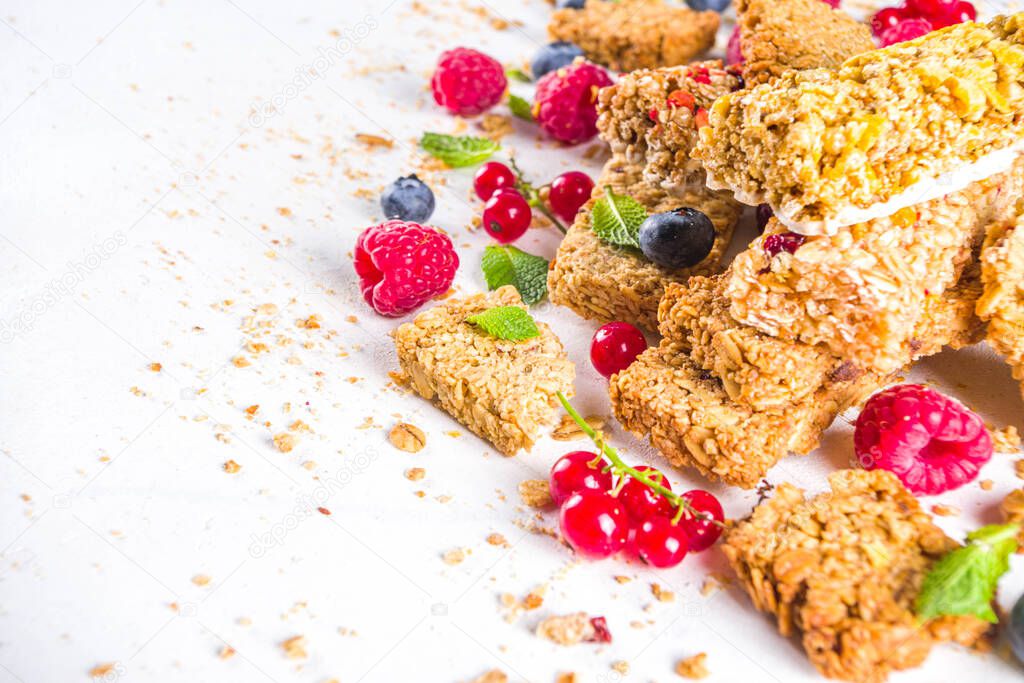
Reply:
x=890, y=128
x=636, y=34
x=504, y=391
x=842, y=571
x=779, y=35
x=1002, y=303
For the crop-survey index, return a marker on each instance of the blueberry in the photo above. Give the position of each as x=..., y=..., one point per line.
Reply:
x=570, y=4
x=554, y=56
x=408, y=199
x=713, y=5
x=1016, y=629
x=677, y=239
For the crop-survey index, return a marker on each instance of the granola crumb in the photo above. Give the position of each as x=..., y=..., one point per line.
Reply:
x=986, y=484
x=284, y=442
x=661, y=594
x=535, y=493
x=945, y=510
x=1018, y=468
x=101, y=670
x=621, y=666
x=226, y=652
x=498, y=540
x=568, y=677
x=415, y=473
x=454, y=556
x=1012, y=507
x=1005, y=440
x=568, y=430
x=492, y=676
x=407, y=437
x=570, y=629
x=155, y=367
x=622, y=579
x=232, y=467
x=240, y=362
x=694, y=667
x=714, y=581
x=201, y=580
x=295, y=647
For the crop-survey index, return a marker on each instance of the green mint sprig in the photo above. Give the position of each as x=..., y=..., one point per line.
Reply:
x=506, y=322
x=520, y=107
x=620, y=469
x=518, y=75
x=505, y=265
x=963, y=582
x=616, y=219
x=458, y=150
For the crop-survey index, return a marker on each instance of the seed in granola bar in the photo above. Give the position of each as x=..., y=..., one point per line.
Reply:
x=491, y=177
x=554, y=56
x=615, y=346
x=679, y=238
x=703, y=528
x=568, y=193
x=408, y=199
x=932, y=442
x=507, y=215
x=594, y=524
x=659, y=542
x=468, y=82
x=640, y=501
x=577, y=472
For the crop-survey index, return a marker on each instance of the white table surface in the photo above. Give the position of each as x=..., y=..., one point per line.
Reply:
x=142, y=224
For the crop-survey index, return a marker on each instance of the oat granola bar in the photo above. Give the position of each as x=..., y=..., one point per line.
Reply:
x=1002, y=303
x=504, y=391
x=890, y=128
x=779, y=35
x=862, y=290
x=842, y=571
x=765, y=372
x=648, y=117
x=636, y=34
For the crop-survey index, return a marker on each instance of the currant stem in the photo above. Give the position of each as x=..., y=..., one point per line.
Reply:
x=532, y=195
x=620, y=468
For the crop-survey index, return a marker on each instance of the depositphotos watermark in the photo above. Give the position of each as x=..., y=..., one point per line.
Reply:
x=307, y=74
x=309, y=504
x=60, y=287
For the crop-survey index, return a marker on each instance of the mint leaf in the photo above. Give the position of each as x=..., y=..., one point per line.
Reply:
x=963, y=582
x=506, y=322
x=518, y=75
x=520, y=107
x=616, y=219
x=511, y=266
x=457, y=151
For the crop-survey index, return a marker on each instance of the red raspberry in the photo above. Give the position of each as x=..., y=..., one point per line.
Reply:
x=401, y=265
x=907, y=29
x=468, y=82
x=565, y=105
x=932, y=442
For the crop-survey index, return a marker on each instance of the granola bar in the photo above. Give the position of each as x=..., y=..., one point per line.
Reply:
x=862, y=290
x=890, y=128
x=765, y=372
x=504, y=391
x=842, y=571
x=605, y=282
x=648, y=117
x=779, y=35
x=1002, y=303
x=636, y=34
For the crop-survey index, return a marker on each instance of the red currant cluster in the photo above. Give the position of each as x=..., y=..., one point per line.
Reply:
x=510, y=200
x=615, y=346
x=606, y=507
x=915, y=18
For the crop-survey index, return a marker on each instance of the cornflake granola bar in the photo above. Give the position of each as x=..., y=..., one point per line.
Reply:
x=862, y=290
x=504, y=391
x=889, y=129
x=1002, y=303
x=636, y=34
x=779, y=35
x=842, y=571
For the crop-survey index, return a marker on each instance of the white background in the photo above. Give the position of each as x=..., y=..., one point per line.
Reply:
x=141, y=224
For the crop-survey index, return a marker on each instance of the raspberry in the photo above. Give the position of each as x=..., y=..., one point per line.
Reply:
x=468, y=82
x=565, y=105
x=401, y=265
x=905, y=30
x=933, y=443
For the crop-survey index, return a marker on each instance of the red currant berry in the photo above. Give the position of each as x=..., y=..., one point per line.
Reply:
x=704, y=529
x=886, y=18
x=929, y=8
x=568, y=193
x=957, y=13
x=506, y=215
x=641, y=502
x=492, y=177
x=573, y=473
x=594, y=524
x=660, y=543
x=615, y=346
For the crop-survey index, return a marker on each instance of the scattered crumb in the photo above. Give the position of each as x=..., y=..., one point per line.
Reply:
x=284, y=442
x=454, y=556
x=621, y=666
x=226, y=652
x=535, y=493
x=568, y=430
x=566, y=678
x=497, y=539
x=295, y=647
x=240, y=362
x=985, y=484
x=407, y=437
x=201, y=579
x=101, y=670
x=231, y=467
x=694, y=667
x=945, y=510
x=570, y=629
x=415, y=473
x=661, y=594
x=375, y=140
x=155, y=367
x=1018, y=468
x=1005, y=440
x=622, y=579
x=713, y=582
x=1012, y=508
x=492, y=676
